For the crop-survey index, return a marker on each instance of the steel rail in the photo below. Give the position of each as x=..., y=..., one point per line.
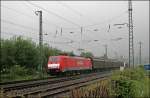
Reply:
x=26, y=84
x=68, y=87
x=54, y=86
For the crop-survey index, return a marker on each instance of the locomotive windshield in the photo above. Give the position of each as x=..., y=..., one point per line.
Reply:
x=53, y=59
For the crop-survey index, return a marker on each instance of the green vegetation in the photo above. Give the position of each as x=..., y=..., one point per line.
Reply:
x=20, y=58
x=86, y=54
x=99, y=89
x=130, y=83
x=18, y=72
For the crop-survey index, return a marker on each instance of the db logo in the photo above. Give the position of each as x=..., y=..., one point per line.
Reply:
x=79, y=63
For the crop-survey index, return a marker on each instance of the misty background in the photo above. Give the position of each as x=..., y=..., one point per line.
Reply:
x=63, y=20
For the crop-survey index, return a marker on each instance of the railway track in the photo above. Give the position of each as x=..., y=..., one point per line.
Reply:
x=50, y=87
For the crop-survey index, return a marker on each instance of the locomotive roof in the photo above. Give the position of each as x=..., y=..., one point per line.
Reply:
x=63, y=56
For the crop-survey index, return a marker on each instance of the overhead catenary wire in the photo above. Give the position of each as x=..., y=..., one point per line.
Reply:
x=45, y=21
x=64, y=18
x=60, y=42
x=75, y=11
x=108, y=21
x=50, y=12
x=25, y=27
x=70, y=40
x=19, y=25
x=70, y=8
x=31, y=17
x=35, y=33
x=53, y=13
x=53, y=42
x=19, y=12
x=22, y=26
x=14, y=29
x=78, y=28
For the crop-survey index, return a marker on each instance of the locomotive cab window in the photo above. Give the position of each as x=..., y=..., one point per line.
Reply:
x=54, y=59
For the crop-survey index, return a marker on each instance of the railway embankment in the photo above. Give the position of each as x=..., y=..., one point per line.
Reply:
x=130, y=83
x=50, y=87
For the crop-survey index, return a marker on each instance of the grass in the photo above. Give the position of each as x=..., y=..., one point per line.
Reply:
x=96, y=90
x=18, y=73
x=130, y=83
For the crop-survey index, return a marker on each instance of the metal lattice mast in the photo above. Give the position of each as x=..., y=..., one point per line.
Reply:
x=131, y=44
x=106, y=51
x=140, y=43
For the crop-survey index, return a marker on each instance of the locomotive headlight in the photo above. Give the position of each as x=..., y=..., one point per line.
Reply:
x=53, y=65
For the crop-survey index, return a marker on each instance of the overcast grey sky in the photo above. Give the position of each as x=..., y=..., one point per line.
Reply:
x=96, y=17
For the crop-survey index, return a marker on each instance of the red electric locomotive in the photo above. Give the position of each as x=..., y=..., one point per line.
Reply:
x=67, y=63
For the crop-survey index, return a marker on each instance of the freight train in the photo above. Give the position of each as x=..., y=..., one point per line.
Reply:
x=57, y=64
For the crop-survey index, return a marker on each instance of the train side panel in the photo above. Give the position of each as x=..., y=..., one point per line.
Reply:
x=102, y=64
x=73, y=63
x=97, y=64
x=67, y=63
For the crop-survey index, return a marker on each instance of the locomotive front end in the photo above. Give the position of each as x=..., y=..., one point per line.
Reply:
x=54, y=64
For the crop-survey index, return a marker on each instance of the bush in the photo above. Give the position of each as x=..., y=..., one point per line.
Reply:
x=87, y=54
x=129, y=83
x=18, y=51
x=17, y=72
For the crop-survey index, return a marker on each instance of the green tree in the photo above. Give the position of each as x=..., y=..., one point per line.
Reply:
x=67, y=53
x=7, y=54
x=26, y=53
x=71, y=53
x=86, y=54
x=18, y=51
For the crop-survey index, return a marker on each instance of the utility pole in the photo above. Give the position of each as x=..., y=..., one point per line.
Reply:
x=140, y=43
x=80, y=49
x=131, y=44
x=40, y=37
x=81, y=33
x=105, y=56
x=40, y=27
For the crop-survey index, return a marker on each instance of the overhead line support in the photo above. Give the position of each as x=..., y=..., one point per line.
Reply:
x=40, y=38
x=131, y=43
